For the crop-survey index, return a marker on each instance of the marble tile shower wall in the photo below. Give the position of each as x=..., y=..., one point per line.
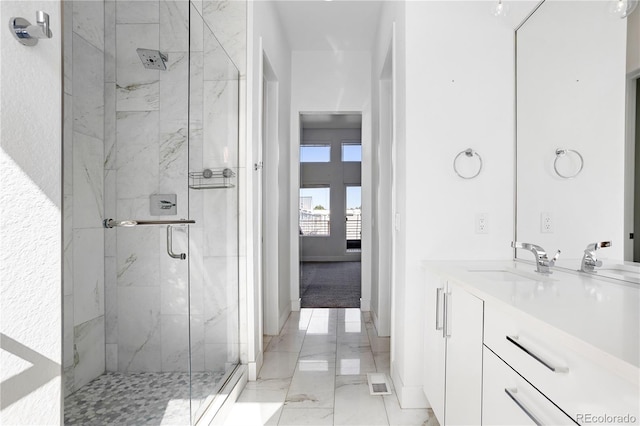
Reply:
x=125, y=137
x=146, y=152
x=83, y=192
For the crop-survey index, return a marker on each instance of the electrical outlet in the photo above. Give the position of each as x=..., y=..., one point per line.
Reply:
x=546, y=223
x=482, y=223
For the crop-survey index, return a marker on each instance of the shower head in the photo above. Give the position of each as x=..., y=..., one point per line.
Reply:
x=153, y=59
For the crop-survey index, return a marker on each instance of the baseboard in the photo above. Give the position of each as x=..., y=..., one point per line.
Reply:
x=223, y=402
x=356, y=257
x=365, y=305
x=253, y=368
x=283, y=318
x=408, y=396
x=374, y=318
x=295, y=304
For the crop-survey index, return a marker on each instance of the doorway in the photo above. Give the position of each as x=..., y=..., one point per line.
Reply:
x=329, y=214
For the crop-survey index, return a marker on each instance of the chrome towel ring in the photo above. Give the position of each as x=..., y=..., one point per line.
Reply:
x=560, y=152
x=468, y=153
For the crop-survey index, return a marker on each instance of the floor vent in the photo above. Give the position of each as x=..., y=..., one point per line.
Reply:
x=378, y=384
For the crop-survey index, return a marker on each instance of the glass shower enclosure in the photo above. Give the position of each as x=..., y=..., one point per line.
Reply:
x=151, y=106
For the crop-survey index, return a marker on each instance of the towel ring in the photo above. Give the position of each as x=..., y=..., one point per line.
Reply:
x=562, y=152
x=469, y=153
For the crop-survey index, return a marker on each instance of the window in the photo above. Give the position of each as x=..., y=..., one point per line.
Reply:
x=351, y=151
x=314, y=212
x=354, y=217
x=315, y=153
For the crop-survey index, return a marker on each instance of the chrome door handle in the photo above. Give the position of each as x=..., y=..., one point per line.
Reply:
x=438, y=323
x=110, y=223
x=181, y=256
x=539, y=358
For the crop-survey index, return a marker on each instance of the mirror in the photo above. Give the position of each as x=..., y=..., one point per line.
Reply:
x=571, y=135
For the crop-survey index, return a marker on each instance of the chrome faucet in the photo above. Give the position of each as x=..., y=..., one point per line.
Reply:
x=589, y=260
x=542, y=260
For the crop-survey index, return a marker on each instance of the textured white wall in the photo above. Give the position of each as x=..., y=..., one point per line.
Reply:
x=30, y=221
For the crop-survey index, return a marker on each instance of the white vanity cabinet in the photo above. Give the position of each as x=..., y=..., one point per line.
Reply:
x=508, y=399
x=578, y=378
x=505, y=346
x=453, y=352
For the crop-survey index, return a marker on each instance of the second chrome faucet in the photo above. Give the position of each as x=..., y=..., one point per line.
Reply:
x=543, y=263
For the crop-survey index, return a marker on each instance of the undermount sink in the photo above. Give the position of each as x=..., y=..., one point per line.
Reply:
x=502, y=275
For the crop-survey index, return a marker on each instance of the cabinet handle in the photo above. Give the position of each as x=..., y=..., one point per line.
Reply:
x=438, y=322
x=446, y=330
x=512, y=394
x=540, y=359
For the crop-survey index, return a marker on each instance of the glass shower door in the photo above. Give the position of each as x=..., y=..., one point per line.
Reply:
x=213, y=204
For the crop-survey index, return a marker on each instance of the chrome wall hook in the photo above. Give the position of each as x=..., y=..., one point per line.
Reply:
x=28, y=34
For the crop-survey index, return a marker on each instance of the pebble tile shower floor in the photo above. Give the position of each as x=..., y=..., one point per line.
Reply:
x=139, y=399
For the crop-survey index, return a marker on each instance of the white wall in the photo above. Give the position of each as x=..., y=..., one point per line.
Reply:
x=326, y=81
x=388, y=122
x=266, y=38
x=459, y=94
x=633, y=42
x=30, y=224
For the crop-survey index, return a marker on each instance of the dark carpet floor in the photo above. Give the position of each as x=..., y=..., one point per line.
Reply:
x=330, y=284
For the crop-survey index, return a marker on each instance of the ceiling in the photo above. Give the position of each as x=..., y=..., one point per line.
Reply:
x=330, y=121
x=329, y=25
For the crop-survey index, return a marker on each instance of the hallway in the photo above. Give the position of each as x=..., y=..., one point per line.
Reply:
x=315, y=373
x=330, y=284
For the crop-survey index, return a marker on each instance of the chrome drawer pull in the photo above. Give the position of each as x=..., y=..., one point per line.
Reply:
x=541, y=360
x=527, y=411
x=438, y=323
x=446, y=330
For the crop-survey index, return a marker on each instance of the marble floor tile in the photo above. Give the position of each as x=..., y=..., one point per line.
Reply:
x=355, y=406
x=265, y=341
x=325, y=383
x=266, y=390
x=287, y=342
x=314, y=346
x=322, y=325
x=312, y=389
x=306, y=416
x=416, y=416
x=253, y=413
x=278, y=365
x=383, y=362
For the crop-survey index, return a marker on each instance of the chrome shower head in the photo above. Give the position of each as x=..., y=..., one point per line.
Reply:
x=153, y=59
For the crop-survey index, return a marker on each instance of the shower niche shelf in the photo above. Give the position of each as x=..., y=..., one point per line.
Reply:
x=219, y=178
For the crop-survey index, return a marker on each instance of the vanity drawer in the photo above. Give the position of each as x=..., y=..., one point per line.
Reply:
x=508, y=399
x=578, y=378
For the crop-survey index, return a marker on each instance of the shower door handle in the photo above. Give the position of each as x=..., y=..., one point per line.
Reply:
x=181, y=256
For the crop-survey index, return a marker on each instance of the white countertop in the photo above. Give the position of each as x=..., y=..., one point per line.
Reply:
x=602, y=312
